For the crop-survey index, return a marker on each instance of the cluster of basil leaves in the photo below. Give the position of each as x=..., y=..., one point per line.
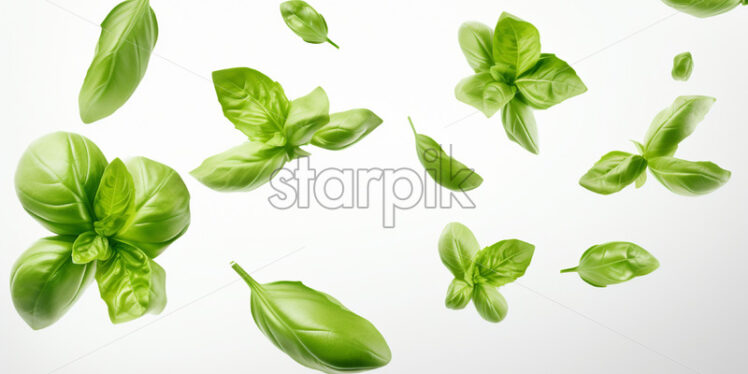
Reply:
x=611, y=263
x=111, y=220
x=705, y=8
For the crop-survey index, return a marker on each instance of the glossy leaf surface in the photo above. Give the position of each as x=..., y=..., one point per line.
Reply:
x=306, y=115
x=503, y=262
x=476, y=42
x=688, y=178
x=304, y=20
x=458, y=294
x=674, y=124
x=704, y=8
x=242, y=168
x=682, y=66
x=516, y=46
x=457, y=249
x=549, y=82
x=519, y=125
x=482, y=92
x=612, y=263
x=346, y=129
x=489, y=303
x=89, y=247
x=613, y=172
x=114, y=201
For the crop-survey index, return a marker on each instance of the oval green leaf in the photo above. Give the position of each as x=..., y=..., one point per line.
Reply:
x=503, y=262
x=613, y=172
x=305, y=22
x=458, y=294
x=682, y=66
x=489, y=303
x=612, y=263
x=674, y=124
x=519, y=125
x=114, y=201
x=242, y=168
x=346, y=129
x=704, y=8
x=516, y=46
x=688, y=178
x=482, y=92
x=550, y=82
x=457, y=249
x=89, y=247
x=306, y=115
x=476, y=42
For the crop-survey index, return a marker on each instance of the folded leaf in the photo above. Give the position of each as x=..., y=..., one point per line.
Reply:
x=242, y=168
x=516, y=46
x=550, y=82
x=476, y=40
x=612, y=263
x=458, y=294
x=346, y=129
x=482, y=92
x=688, y=178
x=613, y=172
x=674, y=124
x=682, y=66
x=704, y=8
x=457, y=249
x=114, y=201
x=307, y=114
x=519, y=124
x=304, y=20
x=489, y=303
x=503, y=262
x=89, y=247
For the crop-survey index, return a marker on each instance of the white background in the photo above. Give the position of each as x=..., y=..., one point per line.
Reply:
x=401, y=58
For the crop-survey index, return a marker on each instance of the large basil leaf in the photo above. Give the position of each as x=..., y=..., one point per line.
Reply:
x=704, y=8
x=489, y=303
x=162, y=207
x=519, y=124
x=688, y=177
x=476, y=42
x=242, y=168
x=503, y=262
x=550, y=82
x=45, y=283
x=674, y=124
x=89, y=247
x=457, y=249
x=131, y=284
x=306, y=115
x=682, y=66
x=483, y=93
x=128, y=35
x=612, y=263
x=314, y=329
x=516, y=46
x=254, y=103
x=614, y=172
x=56, y=181
x=115, y=197
x=345, y=129
x=458, y=294
x=304, y=20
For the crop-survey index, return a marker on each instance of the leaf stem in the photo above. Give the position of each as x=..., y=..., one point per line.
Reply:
x=242, y=273
x=412, y=126
x=570, y=270
x=333, y=44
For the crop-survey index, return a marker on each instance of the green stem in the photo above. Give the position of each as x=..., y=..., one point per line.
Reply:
x=570, y=270
x=250, y=281
x=412, y=126
x=333, y=44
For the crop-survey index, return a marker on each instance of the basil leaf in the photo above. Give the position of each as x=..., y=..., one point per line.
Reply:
x=457, y=249
x=489, y=303
x=254, y=103
x=674, y=124
x=641, y=180
x=612, y=263
x=114, y=200
x=476, y=42
x=56, y=181
x=242, y=168
x=704, y=8
x=516, y=46
x=303, y=20
x=682, y=66
x=550, y=82
x=128, y=36
x=162, y=207
x=307, y=114
x=458, y=294
x=519, y=124
x=314, y=329
x=444, y=169
x=45, y=283
x=614, y=172
x=131, y=284
x=89, y=247
x=483, y=93
x=503, y=262
x=346, y=129
x=688, y=178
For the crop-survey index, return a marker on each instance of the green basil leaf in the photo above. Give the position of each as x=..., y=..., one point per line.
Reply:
x=128, y=36
x=612, y=263
x=45, y=283
x=489, y=303
x=457, y=249
x=131, y=284
x=674, y=124
x=519, y=124
x=550, y=82
x=307, y=115
x=56, y=181
x=254, y=103
x=89, y=247
x=304, y=20
x=458, y=294
x=483, y=93
x=503, y=262
x=641, y=180
x=682, y=66
x=162, y=207
x=704, y=8
x=242, y=168
x=314, y=329
x=476, y=42
x=613, y=172
x=445, y=170
x=516, y=46
x=346, y=129
x=114, y=201
x=688, y=178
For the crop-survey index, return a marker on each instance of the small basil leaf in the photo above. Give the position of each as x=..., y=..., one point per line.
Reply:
x=346, y=129
x=682, y=66
x=131, y=284
x=458, y=294
x=254, y=103
x=315, y=329
x=128, y=36
x=550, y=82
x=242, y=168
x=704, y=8
x=612, y=263
x=114, y=201
x=303, y=20
x=476, y=40
x=89, y=247
x=444, y=169
x=489, y=303
x=688, y=178
x=641, y=180
x=45, y=283
x=457, y=249
x=516, y=46
x=613, y=172
x=674, y=124
x=483, y=93
x=503, y=262
x=306, y=115
x=519, y=124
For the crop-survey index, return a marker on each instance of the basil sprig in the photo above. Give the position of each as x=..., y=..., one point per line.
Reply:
x=616, y=170
x=478, y=272
x=512, y=75
x=306, y=22
x=704, y=8
x=612, y=263
x=682, y=66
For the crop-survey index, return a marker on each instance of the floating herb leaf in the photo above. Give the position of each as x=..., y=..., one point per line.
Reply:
x=612, y=263
x=704, y=8
x=304, y=20
x=682, y=66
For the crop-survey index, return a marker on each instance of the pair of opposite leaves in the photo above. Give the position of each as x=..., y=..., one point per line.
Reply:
x=111, y=221
x=705, y=8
